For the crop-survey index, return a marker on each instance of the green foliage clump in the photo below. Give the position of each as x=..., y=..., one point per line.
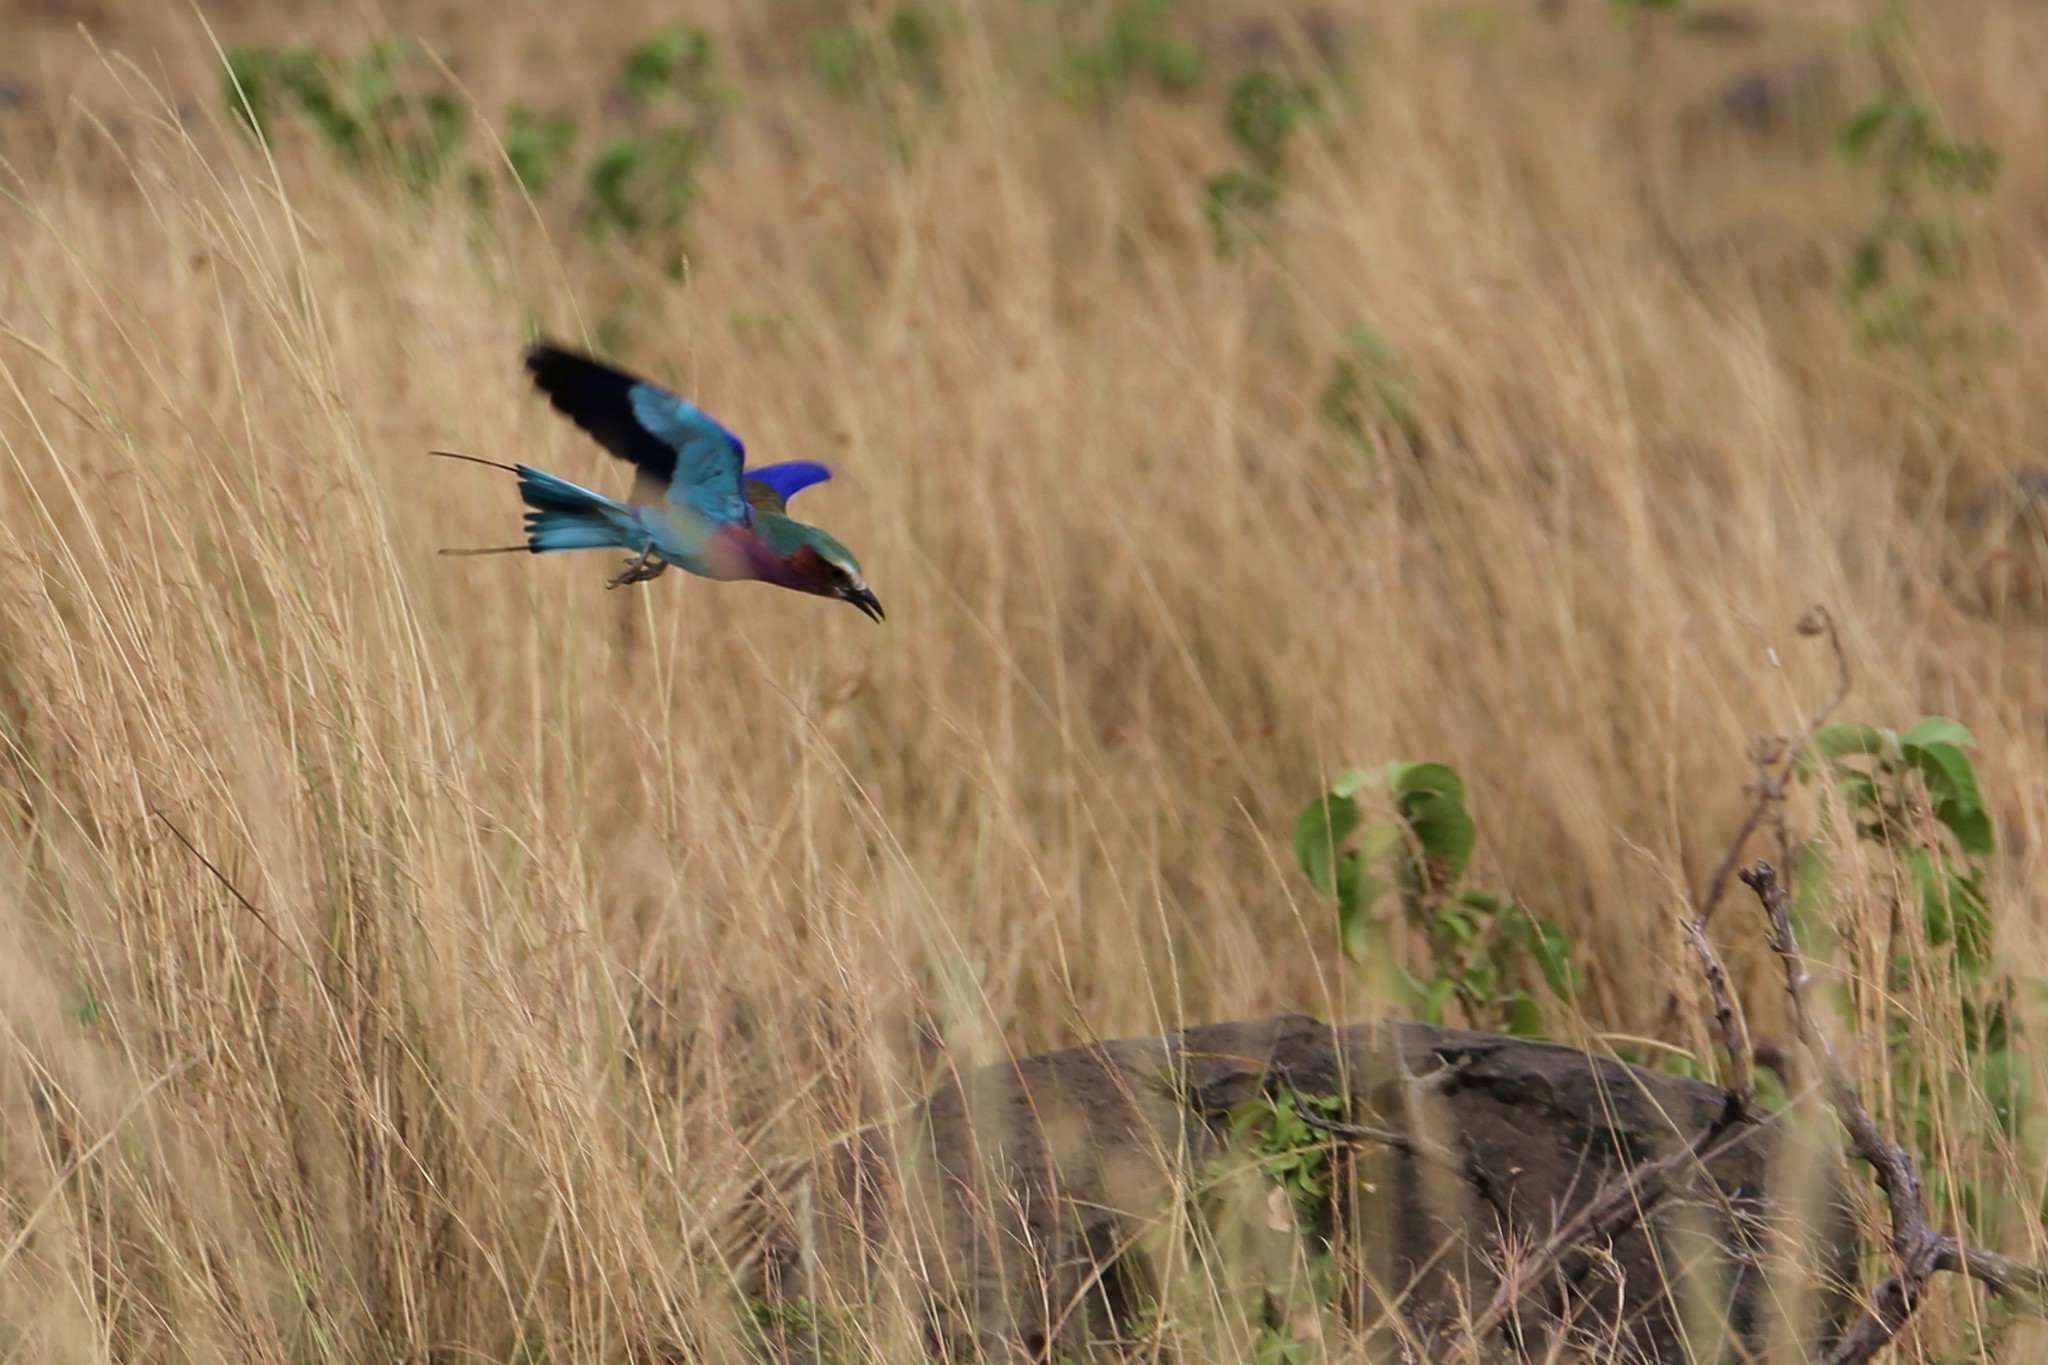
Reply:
x=905, y=47
x=1914, y=252
x=1291, y=1152
x=383, y=112
x=1365, y=399
x=370, y=112
x=644, y=184
x=1915, y=796
x=678, y=59
x=1139, y=46
x=1262, y=114
x=1284, y=1133
x=1477, y=942
x=1235, y=204
x=538, y=142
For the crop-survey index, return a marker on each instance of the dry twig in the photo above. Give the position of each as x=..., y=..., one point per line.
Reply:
x=1776, y=765
x=1919, y=1251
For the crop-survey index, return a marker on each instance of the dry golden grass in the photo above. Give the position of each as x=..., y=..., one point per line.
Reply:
x=566, y=910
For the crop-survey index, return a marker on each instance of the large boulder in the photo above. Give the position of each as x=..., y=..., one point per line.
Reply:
x=1284, y=1180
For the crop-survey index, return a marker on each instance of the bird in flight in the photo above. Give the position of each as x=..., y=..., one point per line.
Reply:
x=694, y=504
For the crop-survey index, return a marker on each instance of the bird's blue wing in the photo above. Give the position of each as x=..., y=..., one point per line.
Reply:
x=787, y=480
x=684, y=451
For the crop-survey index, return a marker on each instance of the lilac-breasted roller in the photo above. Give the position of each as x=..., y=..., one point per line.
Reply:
x=694, y=504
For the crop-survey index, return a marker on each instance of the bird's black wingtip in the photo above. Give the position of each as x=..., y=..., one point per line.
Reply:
x=544, y=358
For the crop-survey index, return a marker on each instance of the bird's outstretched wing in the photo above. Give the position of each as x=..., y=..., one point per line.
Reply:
x=770, y=487
x=680, y=451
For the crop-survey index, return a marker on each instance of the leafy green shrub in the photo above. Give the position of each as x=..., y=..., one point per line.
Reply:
x=853, y=58
x=1138, y=47
x=537, y=143
x=1263, y=112
x=1477, y=941
x=679, y=59
x=1235, y=204
x=369, y=112
x=644, y=184
x=382, y=112
x=1261, y=115
x=1291, y=1152
x=1296, y=1164
x=1915, y=796
x=1366, y=395
x=1915, y=250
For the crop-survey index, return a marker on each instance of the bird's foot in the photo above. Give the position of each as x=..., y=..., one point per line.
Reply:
x=638, y=569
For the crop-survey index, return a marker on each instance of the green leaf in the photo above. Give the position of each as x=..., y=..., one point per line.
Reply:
x=1319, y=835
x=1440, y=992
x=1946, y=769
x=1554, y=958
x=1525, y=1016
x=1358, y=934
x=1971, y=913
x=1440, y=778
x=1853, y=737
x=1972, y=829
x=1233, y=202
x=1377, y=838
x=1813, y=890
x=1485, y=903
x=1348, y=782
x=1930, y=889
x=1445, y=832
x=1862, y=127
x=1952, y=782
x=1859, y=789
x=611, y=176
x=1939, y=730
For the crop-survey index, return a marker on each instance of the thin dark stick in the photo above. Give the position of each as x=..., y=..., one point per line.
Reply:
x=1771, y=789
x=243, y=901
x=1728, y=1018
x=1420, y=1148
x=222, y=878
x=474, y=459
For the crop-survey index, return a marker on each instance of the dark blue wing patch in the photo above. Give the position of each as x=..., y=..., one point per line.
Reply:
x=673, y=444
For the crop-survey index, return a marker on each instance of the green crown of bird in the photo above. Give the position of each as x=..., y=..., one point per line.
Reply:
x=694, y=503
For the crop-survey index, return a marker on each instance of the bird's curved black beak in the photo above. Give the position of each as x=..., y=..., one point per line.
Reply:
x=865, y=600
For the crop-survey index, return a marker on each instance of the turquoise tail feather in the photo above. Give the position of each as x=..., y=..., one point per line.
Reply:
x=568, y=517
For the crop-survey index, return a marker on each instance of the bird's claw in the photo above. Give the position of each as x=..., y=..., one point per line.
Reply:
x=638, y=569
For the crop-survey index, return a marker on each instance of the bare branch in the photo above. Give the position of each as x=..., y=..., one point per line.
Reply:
x=1918, y=1250
x=1727, y=1018
x=1619, y=1205
x=1420, y=1148
x=1776, y=768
